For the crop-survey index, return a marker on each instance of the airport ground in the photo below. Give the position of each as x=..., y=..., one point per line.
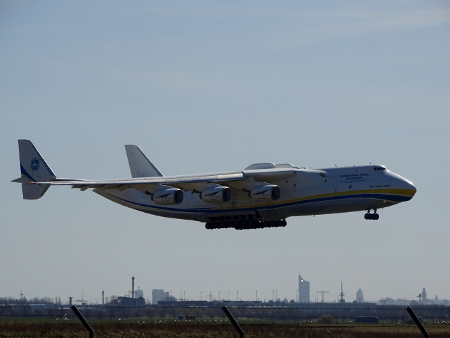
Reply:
x=172, y=320
x=25, y=327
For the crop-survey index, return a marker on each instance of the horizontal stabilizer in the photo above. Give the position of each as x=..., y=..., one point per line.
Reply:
x=34, y=191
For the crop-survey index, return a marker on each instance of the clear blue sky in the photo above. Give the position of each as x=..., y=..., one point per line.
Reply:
x=204, y=86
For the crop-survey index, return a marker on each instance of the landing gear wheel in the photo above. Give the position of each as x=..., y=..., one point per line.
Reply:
x=373, y=216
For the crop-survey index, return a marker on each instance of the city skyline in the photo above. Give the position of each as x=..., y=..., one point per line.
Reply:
x=165, y=295
x=233, y=295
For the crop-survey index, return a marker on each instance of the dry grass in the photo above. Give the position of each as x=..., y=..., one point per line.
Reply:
x=74, y=329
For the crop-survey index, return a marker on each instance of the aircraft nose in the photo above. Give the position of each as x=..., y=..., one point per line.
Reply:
x=410, y=188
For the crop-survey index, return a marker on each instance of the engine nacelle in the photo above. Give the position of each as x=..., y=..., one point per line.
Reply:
x=216, y=195
x=265, y=193
x=168, y=196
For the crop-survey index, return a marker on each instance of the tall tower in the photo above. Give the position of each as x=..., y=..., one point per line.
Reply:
x=303, y=290
x=342, y=300
x=132, y=287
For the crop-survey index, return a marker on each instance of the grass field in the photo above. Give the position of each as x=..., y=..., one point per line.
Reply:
x=73, y=328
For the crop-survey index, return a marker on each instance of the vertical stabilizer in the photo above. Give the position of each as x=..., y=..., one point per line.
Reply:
x=140, y=165
x=33, y=168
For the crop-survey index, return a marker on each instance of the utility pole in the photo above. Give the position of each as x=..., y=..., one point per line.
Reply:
x=323, y=292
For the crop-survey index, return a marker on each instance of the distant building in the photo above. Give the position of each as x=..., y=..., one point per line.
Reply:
x=359, y=296
x=131, y=302
x=424, y=296
x=139, y=293
x=303, y=290
x=159, y=295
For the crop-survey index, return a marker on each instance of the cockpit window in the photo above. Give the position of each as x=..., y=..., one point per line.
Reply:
x=379, y=168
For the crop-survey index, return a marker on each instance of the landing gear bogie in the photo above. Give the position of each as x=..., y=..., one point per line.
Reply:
x=372, y=216
x=245, y=224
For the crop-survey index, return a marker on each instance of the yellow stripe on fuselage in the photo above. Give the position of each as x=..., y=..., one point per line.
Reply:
x=394, y=192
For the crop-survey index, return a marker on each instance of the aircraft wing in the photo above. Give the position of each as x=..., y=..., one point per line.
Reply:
x=246, y=179
x=181, y=182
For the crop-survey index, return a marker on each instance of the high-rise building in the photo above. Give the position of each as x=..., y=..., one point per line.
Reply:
x=139, y=293
x=159, y=295
x=303, y=290
x=359, y=296
x=424, y=296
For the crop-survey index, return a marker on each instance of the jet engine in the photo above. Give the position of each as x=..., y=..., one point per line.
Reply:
x=216, y=195
x=168, y=196
x=265, y=193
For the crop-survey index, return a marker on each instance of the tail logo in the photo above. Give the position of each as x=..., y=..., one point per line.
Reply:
x=35, y=164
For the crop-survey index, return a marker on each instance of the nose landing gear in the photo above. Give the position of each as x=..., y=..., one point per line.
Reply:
x=373, y=216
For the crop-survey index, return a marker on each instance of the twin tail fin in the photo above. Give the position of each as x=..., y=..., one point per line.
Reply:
x=140, y=165
x=33, y=168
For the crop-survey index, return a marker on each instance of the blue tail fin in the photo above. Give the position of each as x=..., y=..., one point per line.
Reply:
x=33, y=168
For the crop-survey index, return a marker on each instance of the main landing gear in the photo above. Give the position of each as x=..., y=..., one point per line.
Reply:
x=373, y=216
x=245, y=224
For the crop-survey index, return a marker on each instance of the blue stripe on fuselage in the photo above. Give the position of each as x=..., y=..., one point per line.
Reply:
x=389, y=197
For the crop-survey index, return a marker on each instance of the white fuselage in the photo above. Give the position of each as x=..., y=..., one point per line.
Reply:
x=339, y=190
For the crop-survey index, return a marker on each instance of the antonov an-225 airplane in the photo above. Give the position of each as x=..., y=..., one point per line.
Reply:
x=260, y=196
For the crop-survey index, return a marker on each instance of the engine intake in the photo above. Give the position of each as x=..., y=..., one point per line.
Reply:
x=168, y=196
x=265, y=193
x=216, y=195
